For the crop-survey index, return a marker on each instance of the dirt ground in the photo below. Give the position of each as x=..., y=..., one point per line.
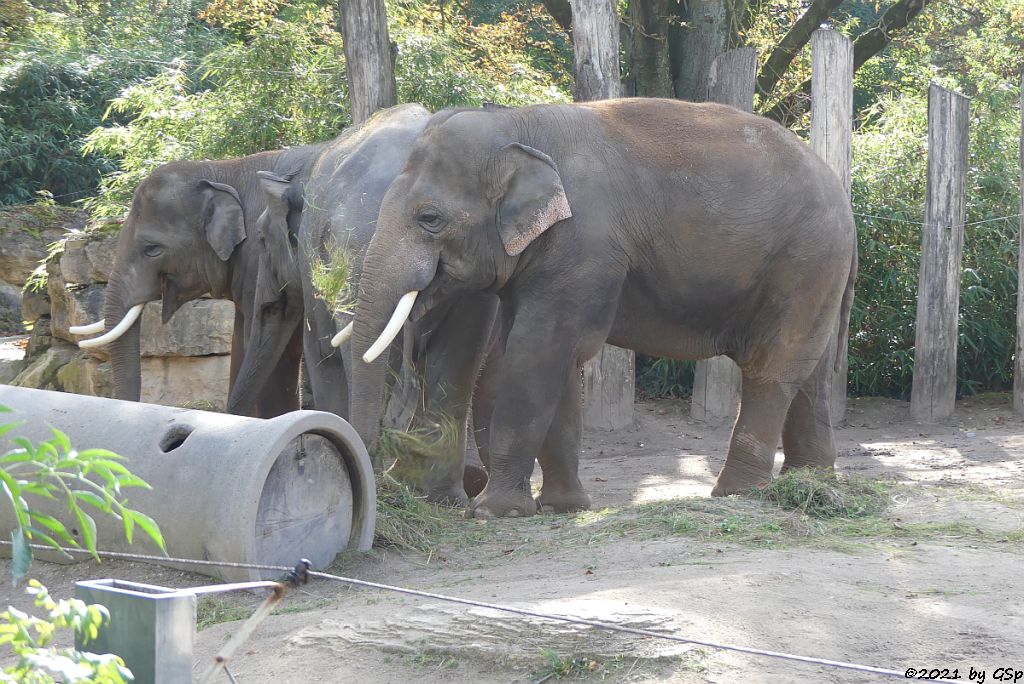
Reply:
x=934, y=581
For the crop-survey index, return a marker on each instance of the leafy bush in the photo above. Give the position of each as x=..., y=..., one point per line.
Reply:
x=58, y=73
x=54, y=470
x=31, y=640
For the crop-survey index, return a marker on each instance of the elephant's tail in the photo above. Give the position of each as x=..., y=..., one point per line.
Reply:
x=844, y=309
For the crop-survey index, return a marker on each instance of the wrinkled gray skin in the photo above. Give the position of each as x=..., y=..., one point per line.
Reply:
x=675, y=229
x=187, y=234
x=337, y=210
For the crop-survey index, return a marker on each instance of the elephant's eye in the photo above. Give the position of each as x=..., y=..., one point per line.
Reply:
x=152, y=250
x=430, y=220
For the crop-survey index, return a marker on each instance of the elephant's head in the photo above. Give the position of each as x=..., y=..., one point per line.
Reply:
x=460, y=217
x=176, y=243
x=277, y=306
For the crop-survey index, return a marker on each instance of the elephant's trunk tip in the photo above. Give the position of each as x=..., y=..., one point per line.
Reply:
x=393, y=327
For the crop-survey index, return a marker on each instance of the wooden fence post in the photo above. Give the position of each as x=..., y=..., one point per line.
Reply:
x=831, y=133
x=608, y=378
x=933, y=394
x=717, y=381
x=1018, y=366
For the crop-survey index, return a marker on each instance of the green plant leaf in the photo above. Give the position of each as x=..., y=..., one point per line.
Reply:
x=88, y=530
x=21, y=555
x=148, y=526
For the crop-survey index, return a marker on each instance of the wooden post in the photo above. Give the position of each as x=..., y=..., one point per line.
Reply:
x=1018, y=366
x=595, y=44
x=942, y=238
x=608, y=378
x=368, y=60
x=831, y=133
x=717, y=381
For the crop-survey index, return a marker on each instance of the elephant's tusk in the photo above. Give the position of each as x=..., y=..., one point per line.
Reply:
x=393, y=327
x=91, y=329
x=119, y=329
x=342, y=336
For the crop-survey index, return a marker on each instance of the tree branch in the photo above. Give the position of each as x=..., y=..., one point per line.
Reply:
x=868, y=44
x=792, y=43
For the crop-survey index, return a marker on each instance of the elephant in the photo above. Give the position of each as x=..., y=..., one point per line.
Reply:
x=671, y=228
x=186, y=235
x=307, y=233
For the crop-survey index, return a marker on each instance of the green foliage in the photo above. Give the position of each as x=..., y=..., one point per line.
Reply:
x=331, y=277
x=661, y=377
x=53, y=470
x=31, y=640
x=59, y=70
x=888, y=194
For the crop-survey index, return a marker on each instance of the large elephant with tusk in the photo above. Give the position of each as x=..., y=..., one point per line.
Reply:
x=187, y=234
x=672, y=228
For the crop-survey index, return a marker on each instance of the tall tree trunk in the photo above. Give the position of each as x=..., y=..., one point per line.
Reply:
x=792, y=43
x=707, y=34
x=650, y=72
x=596, y=47
x=608, y=378
x=368, y=57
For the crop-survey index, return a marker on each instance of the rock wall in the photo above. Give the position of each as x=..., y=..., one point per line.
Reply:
x=184, y=363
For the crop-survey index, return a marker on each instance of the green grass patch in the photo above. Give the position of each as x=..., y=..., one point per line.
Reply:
x=331, y=278
x=822, y=494
x=407, y=521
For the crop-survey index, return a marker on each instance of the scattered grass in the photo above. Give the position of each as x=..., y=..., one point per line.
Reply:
x=213, y=610
x=437, y=661
x=822, y=494
x=407, y=521
x=570, y=667
x=331, y=278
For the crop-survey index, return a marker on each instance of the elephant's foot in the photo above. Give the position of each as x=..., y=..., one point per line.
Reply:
x=562, y=501
x=454, y=497
x=735, y=480
x=502, y=504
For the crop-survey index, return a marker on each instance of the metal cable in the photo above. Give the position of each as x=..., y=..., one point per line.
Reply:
x=498, y=607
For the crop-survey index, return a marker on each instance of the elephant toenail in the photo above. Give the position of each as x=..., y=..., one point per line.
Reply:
x=514, y=513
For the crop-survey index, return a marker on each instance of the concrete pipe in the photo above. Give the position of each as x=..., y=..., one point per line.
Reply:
x=225, y=488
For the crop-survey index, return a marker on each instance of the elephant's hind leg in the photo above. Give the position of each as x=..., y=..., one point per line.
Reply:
x=754, y=437
x=559, y=456
x=807, y=436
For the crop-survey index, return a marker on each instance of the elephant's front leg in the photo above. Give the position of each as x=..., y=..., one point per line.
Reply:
x=540, y=355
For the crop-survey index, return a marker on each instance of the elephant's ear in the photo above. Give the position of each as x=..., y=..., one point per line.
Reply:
x=533, y=199
x=225, y=227
x=283, y=198
x=276, y=257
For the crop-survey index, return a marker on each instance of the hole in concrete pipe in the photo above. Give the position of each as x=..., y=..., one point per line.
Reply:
x=175, y=437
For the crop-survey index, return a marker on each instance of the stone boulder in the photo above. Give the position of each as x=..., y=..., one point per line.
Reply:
x=88, y=258
x=25, y=234
x=41, y=372
x=201, y=327
x=176, y=381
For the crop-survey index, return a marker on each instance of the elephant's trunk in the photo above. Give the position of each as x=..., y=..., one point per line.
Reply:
x=125, y=350
x=380, y=293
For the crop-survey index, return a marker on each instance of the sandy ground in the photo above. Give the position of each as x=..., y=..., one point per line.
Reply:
x=941, y=589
